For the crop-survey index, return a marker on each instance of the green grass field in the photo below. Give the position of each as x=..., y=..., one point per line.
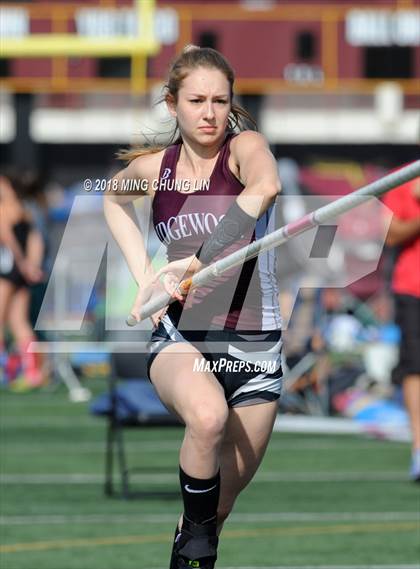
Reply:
x=323, y=501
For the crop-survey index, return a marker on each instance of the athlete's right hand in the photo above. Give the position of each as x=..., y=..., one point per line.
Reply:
x=146, y=292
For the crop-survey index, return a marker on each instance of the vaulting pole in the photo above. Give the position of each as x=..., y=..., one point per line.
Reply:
x=280, y=236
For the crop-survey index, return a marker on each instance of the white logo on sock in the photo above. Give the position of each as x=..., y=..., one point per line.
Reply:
x=188, y=489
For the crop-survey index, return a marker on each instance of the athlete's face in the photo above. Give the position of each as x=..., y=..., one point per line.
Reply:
x=203, y=105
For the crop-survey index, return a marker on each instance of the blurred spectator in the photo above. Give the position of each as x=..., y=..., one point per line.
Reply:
x=335, y=342
x=21, y=254
x=404, y=232
x=35, y=200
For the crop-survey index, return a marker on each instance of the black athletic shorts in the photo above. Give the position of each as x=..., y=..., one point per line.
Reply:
x=9, y=269
x=407, y=317
x=246, y=364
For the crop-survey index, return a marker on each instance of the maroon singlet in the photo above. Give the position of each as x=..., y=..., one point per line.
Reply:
x=244, y=298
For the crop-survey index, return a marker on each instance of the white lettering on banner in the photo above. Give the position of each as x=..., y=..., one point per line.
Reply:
x=109, y=22
x=167, y=25
x=97, y=23
x=383, y=27
x=106, y=22
x=14, y=22
x=303, y=73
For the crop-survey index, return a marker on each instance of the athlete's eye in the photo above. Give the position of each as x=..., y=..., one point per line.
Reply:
x=195, y=100
x=222, y=101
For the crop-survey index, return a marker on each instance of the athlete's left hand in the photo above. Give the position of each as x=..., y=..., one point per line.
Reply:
x=177, y=271
x=146, y=292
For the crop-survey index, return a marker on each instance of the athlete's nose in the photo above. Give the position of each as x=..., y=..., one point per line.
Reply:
x=209, y=111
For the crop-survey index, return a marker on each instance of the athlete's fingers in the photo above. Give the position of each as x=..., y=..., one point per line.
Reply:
x=135, y=313
x=142, y=296
x=184, y=287
x=181, y=268
x=157, y=275
x=161, y=272
x=171, y=283
x=131, y=320
x=134, y=316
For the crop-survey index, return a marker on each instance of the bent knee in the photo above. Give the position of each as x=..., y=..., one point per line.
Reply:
x=208, y=421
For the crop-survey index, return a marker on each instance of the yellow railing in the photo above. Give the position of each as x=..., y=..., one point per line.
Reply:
x=59, y=45
x=64, y=45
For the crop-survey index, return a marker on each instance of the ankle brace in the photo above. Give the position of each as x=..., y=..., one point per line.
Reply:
x=198, y=541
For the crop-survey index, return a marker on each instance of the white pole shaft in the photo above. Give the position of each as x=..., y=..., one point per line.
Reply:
x=280, y=236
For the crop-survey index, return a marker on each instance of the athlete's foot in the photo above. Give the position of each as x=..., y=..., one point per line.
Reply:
x=195, y=546
x=3, y=362
x=173, y=562
x=31, y=365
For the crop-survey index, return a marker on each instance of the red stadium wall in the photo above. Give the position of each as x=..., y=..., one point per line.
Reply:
x=259, y=43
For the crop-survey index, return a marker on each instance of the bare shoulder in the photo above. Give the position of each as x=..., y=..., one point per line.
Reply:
x=253, y=161
x=249, y=147
x=144, y=167
x=248, y=141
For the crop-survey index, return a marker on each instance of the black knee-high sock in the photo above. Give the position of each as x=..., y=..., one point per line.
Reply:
x=201, y=497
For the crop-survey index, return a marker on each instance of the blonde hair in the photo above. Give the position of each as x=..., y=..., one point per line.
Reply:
x=192, y=57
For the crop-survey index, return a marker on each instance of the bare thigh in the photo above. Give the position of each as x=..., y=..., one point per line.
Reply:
x=7, y=290
x=247, y=434
x=19, y=314
x=183, y=390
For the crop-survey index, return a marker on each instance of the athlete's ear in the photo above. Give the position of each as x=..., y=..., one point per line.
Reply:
x=171, y=104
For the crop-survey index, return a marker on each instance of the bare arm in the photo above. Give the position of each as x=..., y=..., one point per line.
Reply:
x=31, y=265
x=257, y=171
x=254, y=164
x=121, y=218
x=401, y=231
x=35, y=248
